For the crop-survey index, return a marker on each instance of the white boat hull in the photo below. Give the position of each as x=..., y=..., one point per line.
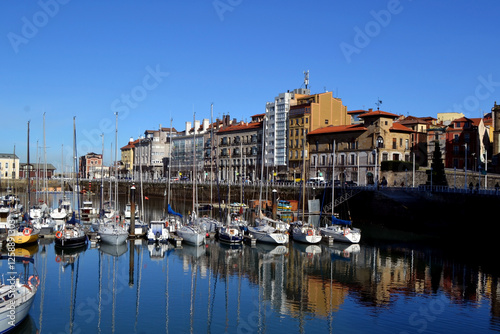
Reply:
x=306, y=235
x=22, y=306
x=191, y=237
x=114, y=239
x=349, y=235
x=269, y=237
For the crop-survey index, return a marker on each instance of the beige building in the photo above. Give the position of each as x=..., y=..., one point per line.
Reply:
x=359, y=148
x=127, y=158
x=9, y=166
x=310, y=113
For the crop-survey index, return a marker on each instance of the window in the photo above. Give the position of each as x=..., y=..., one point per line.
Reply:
x=326, y=121
x=458, y=125
x=6, y=165
x=394, y=143
x=407, y=144
x=323, y=160
x=380, y=142
x=400, y=142
x=385, y=156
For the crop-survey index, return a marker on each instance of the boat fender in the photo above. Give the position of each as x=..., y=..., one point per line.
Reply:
x=37, y=279
x=58, y=234
x=27, y=231
x=166, y=224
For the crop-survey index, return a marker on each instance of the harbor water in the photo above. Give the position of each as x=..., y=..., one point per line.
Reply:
x=367, y=288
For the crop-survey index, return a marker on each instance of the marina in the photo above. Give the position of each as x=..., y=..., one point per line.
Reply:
x=253, y=287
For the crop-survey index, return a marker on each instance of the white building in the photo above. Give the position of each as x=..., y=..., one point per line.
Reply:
x=9, y=166
x=276, y=129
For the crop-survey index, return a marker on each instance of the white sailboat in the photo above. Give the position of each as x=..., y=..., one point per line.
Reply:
x=16, y=293
x=113, y=233
x=305, y=233
x=339, y=230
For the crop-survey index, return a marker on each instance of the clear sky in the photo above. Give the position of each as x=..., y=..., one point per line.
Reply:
x=151, y=61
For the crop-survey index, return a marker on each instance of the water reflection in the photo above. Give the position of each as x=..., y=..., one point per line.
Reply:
x=296, y=288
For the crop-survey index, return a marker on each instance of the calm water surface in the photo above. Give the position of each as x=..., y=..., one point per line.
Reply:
x=141, y=288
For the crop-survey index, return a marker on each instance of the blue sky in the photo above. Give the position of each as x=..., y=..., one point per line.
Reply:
x=156, y=60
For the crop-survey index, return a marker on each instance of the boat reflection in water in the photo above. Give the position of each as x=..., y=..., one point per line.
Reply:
x=157, y=251
x=27, y=326
x=342, y=251
x=113, y=250
x=309, y=250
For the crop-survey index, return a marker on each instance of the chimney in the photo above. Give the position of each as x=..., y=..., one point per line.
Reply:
x=188, y=127
x=196, y=126
x=370, y=109
x=206, y=124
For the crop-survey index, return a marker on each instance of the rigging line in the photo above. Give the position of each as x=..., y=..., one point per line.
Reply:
x=166, y=289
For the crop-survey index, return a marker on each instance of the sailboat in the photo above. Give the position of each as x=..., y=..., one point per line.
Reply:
x=339, y=230
x=72, y=234
x=24, y=232
x=17, y=293
x=111, y=231
x=267, y=230
x=191, y=232
x=303, y=231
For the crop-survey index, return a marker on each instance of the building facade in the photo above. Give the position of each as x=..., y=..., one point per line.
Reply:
x=276, y=129
x=238, y=151
x=9, y=166
x=90, y=165
x=359, y=148
x=310, y=113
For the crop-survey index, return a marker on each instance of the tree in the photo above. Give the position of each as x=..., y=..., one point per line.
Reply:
x=438, y=174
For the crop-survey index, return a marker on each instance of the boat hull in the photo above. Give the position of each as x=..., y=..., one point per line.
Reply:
x=271, y=238
x=113, y=238
x=71, y=242
x=191, y=238
x=352, y=236
x=21, y=312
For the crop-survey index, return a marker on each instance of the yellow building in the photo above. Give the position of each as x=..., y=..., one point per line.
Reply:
x=9, y=166
x=127, y=157
x=310, y=113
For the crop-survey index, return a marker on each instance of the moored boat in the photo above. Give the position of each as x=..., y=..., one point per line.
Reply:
x=341, y=230
x=305, y=233
x=17, y=292
x=71, y=235
x=158, y=231
x=113, y=233
x=269, y=231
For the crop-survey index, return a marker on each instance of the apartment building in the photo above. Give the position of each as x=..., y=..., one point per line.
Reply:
x=9, y=166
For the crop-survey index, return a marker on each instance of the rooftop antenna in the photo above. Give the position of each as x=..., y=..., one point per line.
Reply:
x=378, y=103
x=306, y=78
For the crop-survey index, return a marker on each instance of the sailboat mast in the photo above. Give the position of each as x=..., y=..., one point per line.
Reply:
x=333, y=178
x=102, y=178
x=262, y=164
x=194, y=163
x=303, y=178
x=45, y=181
x=211, y=152
x=169, y=165
x=116, y=157
x=28, y=169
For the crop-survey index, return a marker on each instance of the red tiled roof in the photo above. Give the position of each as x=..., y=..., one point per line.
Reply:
x=338, y=128
x=239, y=127
x=359, y=111
x=400, y=127
x=378, y=113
